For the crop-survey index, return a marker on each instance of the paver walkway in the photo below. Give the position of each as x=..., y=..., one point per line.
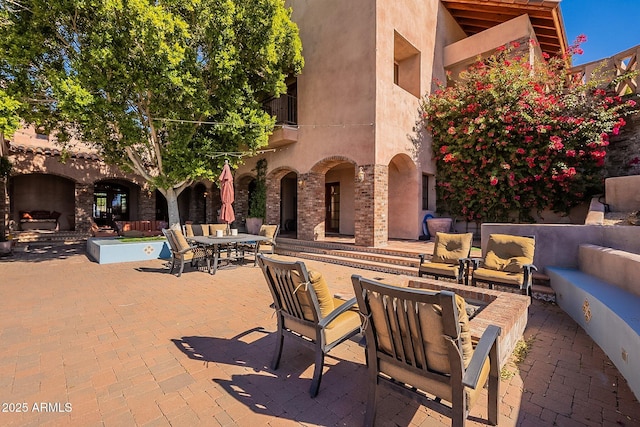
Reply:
x=128, y=344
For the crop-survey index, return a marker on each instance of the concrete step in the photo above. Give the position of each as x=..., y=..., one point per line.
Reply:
x=373, y=265
x=49, y=236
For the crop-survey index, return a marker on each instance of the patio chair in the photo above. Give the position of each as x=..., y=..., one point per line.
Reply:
x=270, y=231
x=181, y=251
x=307, y=312
x=418, y=343
x=508, y=261
x=449, y=253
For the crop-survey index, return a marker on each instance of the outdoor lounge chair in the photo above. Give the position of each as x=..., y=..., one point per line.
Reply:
x=270, y=231
x=508, y=261
x=419, y=344
x=306, y=311
x=449, y=253
x=181, y=251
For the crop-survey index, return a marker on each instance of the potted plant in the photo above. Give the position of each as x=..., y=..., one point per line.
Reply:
x=5, y=170
x=258, y=201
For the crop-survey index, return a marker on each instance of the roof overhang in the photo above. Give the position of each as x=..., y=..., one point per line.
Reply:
x=475, y=16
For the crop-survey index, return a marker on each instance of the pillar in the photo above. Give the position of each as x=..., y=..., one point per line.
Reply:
x=311, y=209
x=372, y=206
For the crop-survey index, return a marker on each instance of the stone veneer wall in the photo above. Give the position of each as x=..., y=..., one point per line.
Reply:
x=623, y=157
x=372, y=206
x=311, y=214
x=273, y=200
x=84, y=207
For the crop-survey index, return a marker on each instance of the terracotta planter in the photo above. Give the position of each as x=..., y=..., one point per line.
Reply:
x=435, y=225
x=253, y=225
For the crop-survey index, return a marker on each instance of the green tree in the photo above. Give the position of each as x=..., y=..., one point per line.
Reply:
x=511, y=139
x=155, y=86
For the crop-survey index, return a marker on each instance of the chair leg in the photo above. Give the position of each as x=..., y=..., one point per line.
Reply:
x=181, y=267
x=317, y=372
x=370, y=414
x=173, y=263
x=275, y=362
x=493, y=393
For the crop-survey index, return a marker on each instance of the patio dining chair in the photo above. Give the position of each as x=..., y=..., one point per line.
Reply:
x=448, y=259
x=508, y=261
x=307, y=312
x=419, y=344
x=182, y=251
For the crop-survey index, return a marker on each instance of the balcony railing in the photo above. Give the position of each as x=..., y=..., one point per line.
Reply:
x=284, y=108
x=613, y=67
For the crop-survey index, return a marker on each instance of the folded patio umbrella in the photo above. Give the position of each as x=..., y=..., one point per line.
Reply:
x=226, y=195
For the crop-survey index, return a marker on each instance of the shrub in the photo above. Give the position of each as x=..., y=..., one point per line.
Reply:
x=510, y=138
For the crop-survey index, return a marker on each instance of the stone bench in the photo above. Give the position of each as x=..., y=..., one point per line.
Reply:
x=603, y=296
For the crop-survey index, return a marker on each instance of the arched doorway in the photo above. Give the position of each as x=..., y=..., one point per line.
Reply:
x=44, y=192
x=404, y=207
x=289, y=204
x=339, y=190
x=111, y=202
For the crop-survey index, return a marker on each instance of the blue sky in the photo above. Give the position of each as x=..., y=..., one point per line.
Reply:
x=611, y=26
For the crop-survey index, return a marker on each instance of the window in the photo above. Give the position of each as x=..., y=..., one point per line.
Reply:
x=406, y=65
x=425, y=192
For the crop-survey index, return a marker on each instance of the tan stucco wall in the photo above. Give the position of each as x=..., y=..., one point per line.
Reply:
x=623, y=193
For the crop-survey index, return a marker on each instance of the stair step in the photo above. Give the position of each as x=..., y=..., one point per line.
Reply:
x=544, y=293
x=351, y=262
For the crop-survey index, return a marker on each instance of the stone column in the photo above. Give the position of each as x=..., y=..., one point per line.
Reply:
x=84, y=207
x=311, y=206
x=273, y=201
x=372, y=206
x=147, y=204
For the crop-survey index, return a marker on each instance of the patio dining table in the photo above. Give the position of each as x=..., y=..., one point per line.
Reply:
x=216, y=243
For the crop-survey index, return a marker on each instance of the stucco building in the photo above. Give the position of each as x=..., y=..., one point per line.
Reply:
x=349, y=155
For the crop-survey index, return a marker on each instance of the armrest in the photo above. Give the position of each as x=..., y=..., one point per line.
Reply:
x=473, y=260
x=337, y=312
x=488, y=342
x=530, y=267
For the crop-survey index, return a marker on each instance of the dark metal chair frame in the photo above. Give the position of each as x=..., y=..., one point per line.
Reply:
x=278, y=275
x=410, y=355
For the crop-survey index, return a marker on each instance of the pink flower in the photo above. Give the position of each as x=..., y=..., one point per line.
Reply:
x=515, y=44
x=493, y=181
x=449, y=158
x=444, y=149
x=556, y=143
x=571, y=153
x=521, y=150
x=528, y=138
x=451, y=130
x=631, y=103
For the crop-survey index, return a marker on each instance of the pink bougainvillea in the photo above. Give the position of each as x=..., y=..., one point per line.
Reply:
x=511, y=137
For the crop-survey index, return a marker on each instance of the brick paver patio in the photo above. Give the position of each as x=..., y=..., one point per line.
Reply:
x=128, y=344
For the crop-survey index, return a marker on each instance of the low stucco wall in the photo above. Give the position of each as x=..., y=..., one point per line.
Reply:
x=623, y=193
x=611, y=265
x=558, y=244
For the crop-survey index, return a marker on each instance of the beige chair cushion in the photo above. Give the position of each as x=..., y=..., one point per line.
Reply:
x=488, y=275
x=449, y=248
x=325, y=299
x=215, y=227
x=268, y=231
x=182, y=244
x=440, y=269
x=509, y=253
x=188, y=230
x=430, y=317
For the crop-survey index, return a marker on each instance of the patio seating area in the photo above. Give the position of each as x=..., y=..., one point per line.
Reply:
x=129, y=344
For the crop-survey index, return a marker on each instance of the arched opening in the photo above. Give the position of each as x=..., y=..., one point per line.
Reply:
x=199, y=212
x=289, y=205
x=339, y=191
x=114, y=200
x=184, y=201
x=404, y=206
x=43, y=192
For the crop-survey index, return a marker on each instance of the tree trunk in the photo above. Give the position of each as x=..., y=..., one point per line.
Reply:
x=172, y=205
